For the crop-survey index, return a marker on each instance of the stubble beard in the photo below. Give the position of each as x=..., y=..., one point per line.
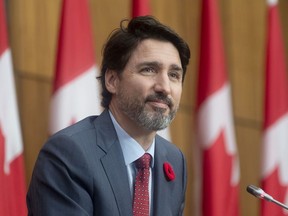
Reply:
x=152, y=120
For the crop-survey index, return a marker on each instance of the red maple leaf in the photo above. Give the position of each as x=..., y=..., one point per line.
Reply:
x=218, y=193
x=12, y=188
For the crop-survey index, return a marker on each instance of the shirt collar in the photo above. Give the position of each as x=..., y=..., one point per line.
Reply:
x=131, y=149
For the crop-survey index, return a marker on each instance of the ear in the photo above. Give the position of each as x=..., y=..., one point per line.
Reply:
x=111, y=81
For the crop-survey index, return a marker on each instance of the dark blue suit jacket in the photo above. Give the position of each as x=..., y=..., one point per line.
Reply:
x=81, y=171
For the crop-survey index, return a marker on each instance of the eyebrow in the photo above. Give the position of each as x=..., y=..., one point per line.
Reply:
x=160, y=65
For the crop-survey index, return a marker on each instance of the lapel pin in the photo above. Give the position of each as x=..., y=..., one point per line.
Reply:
x=169, y=172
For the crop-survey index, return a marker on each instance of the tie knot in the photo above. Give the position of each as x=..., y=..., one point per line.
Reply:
x=143, y=162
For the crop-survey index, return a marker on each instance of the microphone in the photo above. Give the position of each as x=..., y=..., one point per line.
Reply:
x=259, y=193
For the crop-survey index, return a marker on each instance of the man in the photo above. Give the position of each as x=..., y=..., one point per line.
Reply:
x=89, y=168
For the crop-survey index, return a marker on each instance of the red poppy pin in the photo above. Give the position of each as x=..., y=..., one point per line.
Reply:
x=169, y=172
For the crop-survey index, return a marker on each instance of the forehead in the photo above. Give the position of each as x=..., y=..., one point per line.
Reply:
x=156, y=49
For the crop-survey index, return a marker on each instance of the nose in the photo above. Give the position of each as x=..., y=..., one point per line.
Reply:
x=162, y=84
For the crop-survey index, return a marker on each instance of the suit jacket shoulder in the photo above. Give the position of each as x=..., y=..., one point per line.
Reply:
x=81, y=171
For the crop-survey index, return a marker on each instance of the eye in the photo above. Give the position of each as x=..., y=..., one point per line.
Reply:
x=175, y=75
x=148, y=70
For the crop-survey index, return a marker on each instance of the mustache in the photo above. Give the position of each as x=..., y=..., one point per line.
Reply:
x=160, y=97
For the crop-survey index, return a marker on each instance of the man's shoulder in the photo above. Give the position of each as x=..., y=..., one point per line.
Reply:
x=81, y=126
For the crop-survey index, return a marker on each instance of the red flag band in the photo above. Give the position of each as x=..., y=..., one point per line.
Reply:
x=275, y=136
x=12, y=183
x=140, y=8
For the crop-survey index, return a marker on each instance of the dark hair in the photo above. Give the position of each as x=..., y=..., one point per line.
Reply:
x=124, y=40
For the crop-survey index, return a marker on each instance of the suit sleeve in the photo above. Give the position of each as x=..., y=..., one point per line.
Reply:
x=60, y=183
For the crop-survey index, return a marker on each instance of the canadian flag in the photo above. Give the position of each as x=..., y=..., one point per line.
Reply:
x=76, y=92
x=12, y=183
x=217, y=160
x=275, y=136
x=142, y=8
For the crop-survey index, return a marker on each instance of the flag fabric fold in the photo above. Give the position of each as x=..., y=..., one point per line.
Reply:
x=217, y=161
x=12, y=189
x=274, y=175
x=76, y=90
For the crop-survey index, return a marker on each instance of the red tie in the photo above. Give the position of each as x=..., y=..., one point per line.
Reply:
x=141, y=190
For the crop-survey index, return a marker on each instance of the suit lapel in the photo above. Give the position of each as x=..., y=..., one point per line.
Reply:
x=113, y=163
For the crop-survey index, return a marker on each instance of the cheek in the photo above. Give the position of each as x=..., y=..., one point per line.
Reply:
x=141, y=88
x=176, y=94
x=134, y=89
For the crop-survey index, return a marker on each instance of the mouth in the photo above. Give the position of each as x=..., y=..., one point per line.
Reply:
x=159, y=102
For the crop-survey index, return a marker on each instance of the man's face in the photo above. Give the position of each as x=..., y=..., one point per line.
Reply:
x=148, y=91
